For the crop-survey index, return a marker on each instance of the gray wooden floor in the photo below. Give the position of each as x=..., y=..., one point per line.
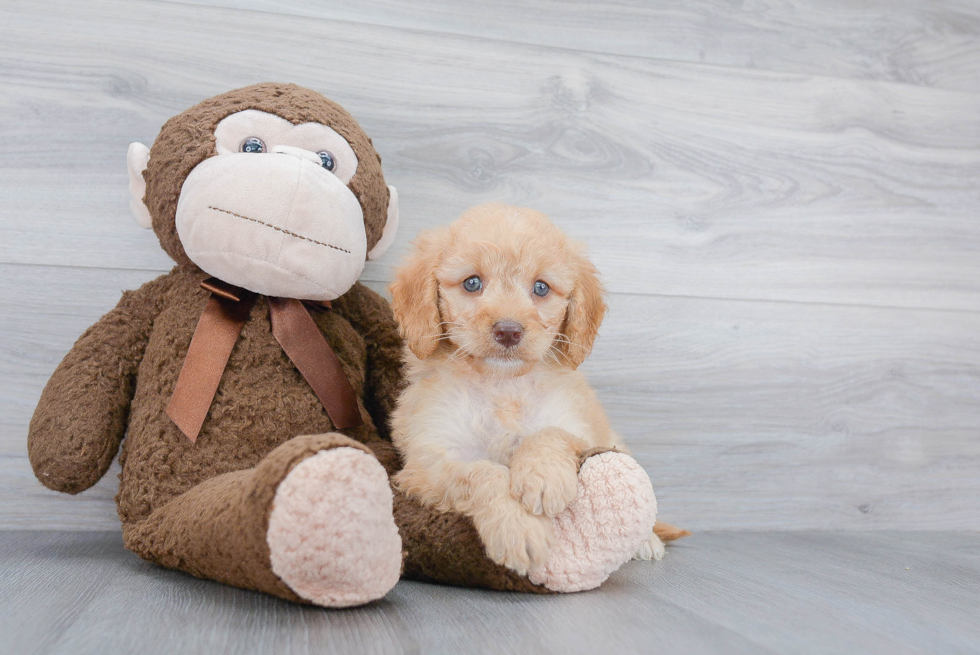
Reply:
x=783, y=197
x=745, y=592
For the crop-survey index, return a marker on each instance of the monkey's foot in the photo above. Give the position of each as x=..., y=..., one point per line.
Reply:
x=332, y=536
x=611, y=517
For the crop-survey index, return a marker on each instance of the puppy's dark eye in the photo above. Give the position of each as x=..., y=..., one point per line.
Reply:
x=541, y=288
x=472, y=284
x=252, y=144
x=326, y=158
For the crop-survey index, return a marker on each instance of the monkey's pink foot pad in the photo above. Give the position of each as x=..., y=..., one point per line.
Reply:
x=610, y=518
x=332, y=536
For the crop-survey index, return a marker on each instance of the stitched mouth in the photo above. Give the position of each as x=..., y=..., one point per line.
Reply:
x=279, y=229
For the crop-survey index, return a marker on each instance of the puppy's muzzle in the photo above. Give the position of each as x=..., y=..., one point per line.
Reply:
x=507, y=333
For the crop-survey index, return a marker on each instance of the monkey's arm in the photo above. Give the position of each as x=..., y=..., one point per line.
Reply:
x=370, y=314
x=82, y=414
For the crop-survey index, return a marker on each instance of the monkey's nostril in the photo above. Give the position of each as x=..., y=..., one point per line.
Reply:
x=507, y=333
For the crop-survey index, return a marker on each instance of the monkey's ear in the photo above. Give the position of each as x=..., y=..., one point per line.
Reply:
x=136, y=160
x=391, y=226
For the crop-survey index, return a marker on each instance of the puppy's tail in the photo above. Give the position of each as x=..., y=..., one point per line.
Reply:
x=668, y=532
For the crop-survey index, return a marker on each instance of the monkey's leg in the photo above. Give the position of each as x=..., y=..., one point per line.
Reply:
x=446, y=548
x=611, y=516
x=311, y=523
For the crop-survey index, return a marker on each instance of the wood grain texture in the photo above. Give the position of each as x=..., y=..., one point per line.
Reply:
x=769, y=415
x=686, y=180
x=27, y=505
x=793, y=259
x=714, y=592
x=933, y=43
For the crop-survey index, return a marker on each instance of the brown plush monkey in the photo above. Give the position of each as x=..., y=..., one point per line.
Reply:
x=265, y=197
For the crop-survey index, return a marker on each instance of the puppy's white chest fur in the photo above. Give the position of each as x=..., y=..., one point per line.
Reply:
x=478, y=418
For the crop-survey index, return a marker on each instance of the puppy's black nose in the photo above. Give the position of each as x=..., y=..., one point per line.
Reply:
x=507, y=333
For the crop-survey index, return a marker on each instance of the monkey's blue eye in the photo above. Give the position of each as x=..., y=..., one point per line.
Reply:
x=326, y=158
x=472, y=284
x=252, y=144
x=541, y=288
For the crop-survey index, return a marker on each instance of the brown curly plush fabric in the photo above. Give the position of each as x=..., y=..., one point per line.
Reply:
x=204, y=507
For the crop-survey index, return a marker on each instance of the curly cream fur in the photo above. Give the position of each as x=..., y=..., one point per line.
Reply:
x=491, y=431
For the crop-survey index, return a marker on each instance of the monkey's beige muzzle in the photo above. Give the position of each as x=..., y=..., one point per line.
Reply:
x=274, y=223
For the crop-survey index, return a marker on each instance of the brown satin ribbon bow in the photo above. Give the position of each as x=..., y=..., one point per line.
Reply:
x=214, y=338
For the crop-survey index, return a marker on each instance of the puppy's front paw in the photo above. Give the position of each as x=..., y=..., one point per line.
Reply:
x=652, y=548
x=516, y=539
x=544, y=487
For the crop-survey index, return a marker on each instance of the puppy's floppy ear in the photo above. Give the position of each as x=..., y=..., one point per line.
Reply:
x=586, y=309
x=415, y=293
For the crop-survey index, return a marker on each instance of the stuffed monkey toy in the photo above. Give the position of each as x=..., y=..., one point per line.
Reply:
x=250, y=387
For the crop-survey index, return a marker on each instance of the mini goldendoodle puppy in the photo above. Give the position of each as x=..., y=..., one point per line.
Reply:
x=498, y=311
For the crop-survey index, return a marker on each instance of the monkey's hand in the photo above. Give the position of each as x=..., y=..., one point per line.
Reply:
x=371, y=315
x=81, y=416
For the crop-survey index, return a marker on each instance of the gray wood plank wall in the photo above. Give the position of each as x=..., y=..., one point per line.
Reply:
x=783, y=199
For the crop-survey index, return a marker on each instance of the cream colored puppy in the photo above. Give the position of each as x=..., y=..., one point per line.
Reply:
x=498, y=311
